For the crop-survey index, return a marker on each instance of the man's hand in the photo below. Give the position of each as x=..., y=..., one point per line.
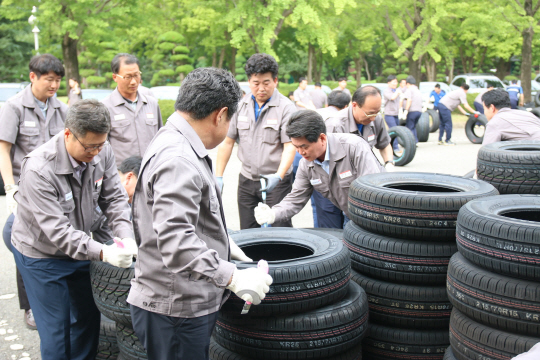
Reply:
x=250, y=284
x=264, y=214
x=130, y=245
x=219, y=181
x=116, y=256
x=236, y=252
x=271, y=182
x=10, y=201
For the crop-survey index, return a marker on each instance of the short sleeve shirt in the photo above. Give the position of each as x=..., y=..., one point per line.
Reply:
x=416, y=98
x=319, y=98
x=454, y=98
x=391, y=107
x=302, y=96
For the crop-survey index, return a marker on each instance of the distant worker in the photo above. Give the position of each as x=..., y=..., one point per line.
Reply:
x=74, y=93
x=342, y=85
x=436, y=95
x=516, y=94
x=505, y=124
x=478, y=105
x=451, y=101
x=291, y=96
x=413, y=106
x=319, y=97
x=302, y=97
x=337, y=100
x=391, y=98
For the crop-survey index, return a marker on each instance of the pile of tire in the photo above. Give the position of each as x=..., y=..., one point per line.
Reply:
x=513, y=167
x=312, y=311
x=494, y=280
x=401, y=237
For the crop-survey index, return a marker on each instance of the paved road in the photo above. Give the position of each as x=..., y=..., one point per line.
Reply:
x=430, y=157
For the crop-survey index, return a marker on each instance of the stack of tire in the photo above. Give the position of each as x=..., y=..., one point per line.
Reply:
x=494, y=280
x=401, y=237
x=312, y=311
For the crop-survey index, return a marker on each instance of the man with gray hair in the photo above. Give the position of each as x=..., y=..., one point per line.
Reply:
x=61, y=183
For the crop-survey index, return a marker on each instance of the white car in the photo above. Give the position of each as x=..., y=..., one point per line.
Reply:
x=476, y=82
x=165, y=92
x=8, y=90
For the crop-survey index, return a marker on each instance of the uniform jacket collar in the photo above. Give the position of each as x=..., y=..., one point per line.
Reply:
x=29, y=102
x=117, y=99
x=274, y=99
x=62, y=164
x=183, y=127
x=353, y=127
x=336, y=150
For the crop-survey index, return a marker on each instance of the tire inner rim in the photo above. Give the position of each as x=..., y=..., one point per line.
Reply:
x=276, y=251
x=432, y=188
x=523, y=214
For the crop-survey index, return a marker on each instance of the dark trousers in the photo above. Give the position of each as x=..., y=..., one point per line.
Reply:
x=412, y=120
x=392, y=121
x=445, y=115
x=328, y=214
x=6, y=233
x=249, y=196
x=172, y=338
x=514, y=103
x=478, y=107
x=66, y=316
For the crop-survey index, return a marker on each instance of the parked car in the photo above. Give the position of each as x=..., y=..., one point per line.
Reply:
x=325, y=88
x=165, y=92
x=476, y=82
x=98, y=94
x=8, y=90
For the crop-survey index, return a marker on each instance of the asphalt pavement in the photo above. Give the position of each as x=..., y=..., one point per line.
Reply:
x=430, y=157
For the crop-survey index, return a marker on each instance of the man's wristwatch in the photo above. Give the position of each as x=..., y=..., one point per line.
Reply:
x=9, y=187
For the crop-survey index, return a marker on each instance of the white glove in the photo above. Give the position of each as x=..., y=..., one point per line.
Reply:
x=264, y=214
x=389, y=167
x=236, y=252
x=116, y=256
x=250, y=284
x=130, y=245
x=405, y=113
x=400, y=114
x=533, y=354
x=10, y=201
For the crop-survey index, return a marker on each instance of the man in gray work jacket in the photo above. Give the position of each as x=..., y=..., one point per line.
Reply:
x=183, y=273
x=330, y=164
x=61, y=183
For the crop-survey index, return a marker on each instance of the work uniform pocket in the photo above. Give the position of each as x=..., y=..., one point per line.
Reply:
x=271, y=134
x=151, y=122
x=28, y=137
x=120, y=130
x=67, y=206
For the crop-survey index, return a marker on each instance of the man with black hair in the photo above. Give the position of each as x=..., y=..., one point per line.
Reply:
x=28, y=120
x=331, y=162
x=337, y=100
x=342, y=85
x=264, y=148
x=413, y=106
x=436, y=95
x=183, y=273
x=391, y=98
x=506, y=124
x=302, y=97
x=135, y=117
x=451, y=101
x=319, y=97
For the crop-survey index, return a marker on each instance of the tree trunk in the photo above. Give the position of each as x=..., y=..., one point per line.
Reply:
x=311, y=55
x=367, y=69
x=451, y=70
x=358, y=67
x=214, y=58
x=431, y=69
x=415, y=69
x=71, y=62
x=526, y=63
x=221, y=58
x=233, y=61
x=502, y=67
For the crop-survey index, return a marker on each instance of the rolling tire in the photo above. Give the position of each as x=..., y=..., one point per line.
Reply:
x=513, y=167
x=500, y=234
x=406, y=141
x=320, y=333
x=415, y=206
x=471, y=128
x=405, y=306
x=386, y=343
x=397, y=260
x=128, y=343
x=435, y=120
x=108, y=346
x=422, y=127
x=471, y=340
x=498, y=301
x=310, y=269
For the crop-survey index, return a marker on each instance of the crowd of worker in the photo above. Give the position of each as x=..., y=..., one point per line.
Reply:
x=107, y=181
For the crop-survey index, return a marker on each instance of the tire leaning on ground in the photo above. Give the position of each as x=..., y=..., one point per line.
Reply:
x=537, y=99
x=494, y=300
x=476, y=127
x=128, y=343
x=435, y=120
x=108, y=346
x=407, y=143
x=471, y=340
x=415, y=206
x=316, y=334
x=422, y=127
x=513, y=167
x=310, y=269
x=500, y=233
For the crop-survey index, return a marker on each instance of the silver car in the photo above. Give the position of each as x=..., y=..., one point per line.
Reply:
x=8, y=90
x=477, y=82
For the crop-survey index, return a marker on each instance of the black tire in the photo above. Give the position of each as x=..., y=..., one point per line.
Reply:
x=320, y=333
x=537, y=99
x=386, y=343
x=397, y=260
x=498, y=301
x=405, y=306
x=470, y=174
x=218, y=352
x=110, y=288
x=422, y=127
x=449, y=354
x=513, y=167
x=128, y=343
x=407, y=143
x=2, y=190
x=435, y=120
x=475, y=128
x=415, y=206
x=536, y=112
x=501, y=233
x=471, y=340
x=310, y=269
x=330, y=231
x=108, y=347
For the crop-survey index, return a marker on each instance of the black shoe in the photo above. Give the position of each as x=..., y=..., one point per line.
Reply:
x=29, y=320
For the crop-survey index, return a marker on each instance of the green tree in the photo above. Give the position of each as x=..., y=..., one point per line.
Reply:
x=16, y=45
x=171, y=57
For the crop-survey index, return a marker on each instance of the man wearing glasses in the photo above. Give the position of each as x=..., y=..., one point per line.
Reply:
x=135, y=117
x=61, y=183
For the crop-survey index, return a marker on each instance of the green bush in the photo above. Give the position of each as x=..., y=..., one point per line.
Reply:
x=96, y=80
x=184, y=69
x=87, y=72
x=167, y=109
x=511, y=77
x=171, y=36
x=166, y=72
x=166, y=46
x=389, y=71
x=180, y=57
x=441, y=77
x=401, y=77
x=181, y=49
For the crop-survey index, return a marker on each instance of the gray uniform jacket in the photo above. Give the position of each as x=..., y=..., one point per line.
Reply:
x=454, y=98
x=132, y=130
x=55, y=211
x=319, y=98
x=375, y=133
x=182, y=267
x=391, y=107
x=261, y=142
x=415, y=95
x=23, y=125
x=350, y=158
x=346, y=91
x=328, y=113
x=510, y=124
x=301, y=95
x=478, y=98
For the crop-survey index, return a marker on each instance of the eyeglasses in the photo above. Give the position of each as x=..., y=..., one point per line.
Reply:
x=370, y=115
x=89, y=149
x=130, y=77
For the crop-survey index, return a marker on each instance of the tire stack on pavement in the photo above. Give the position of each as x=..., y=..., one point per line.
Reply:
x=312, y=311
x=401, y=237
x=494, y=280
